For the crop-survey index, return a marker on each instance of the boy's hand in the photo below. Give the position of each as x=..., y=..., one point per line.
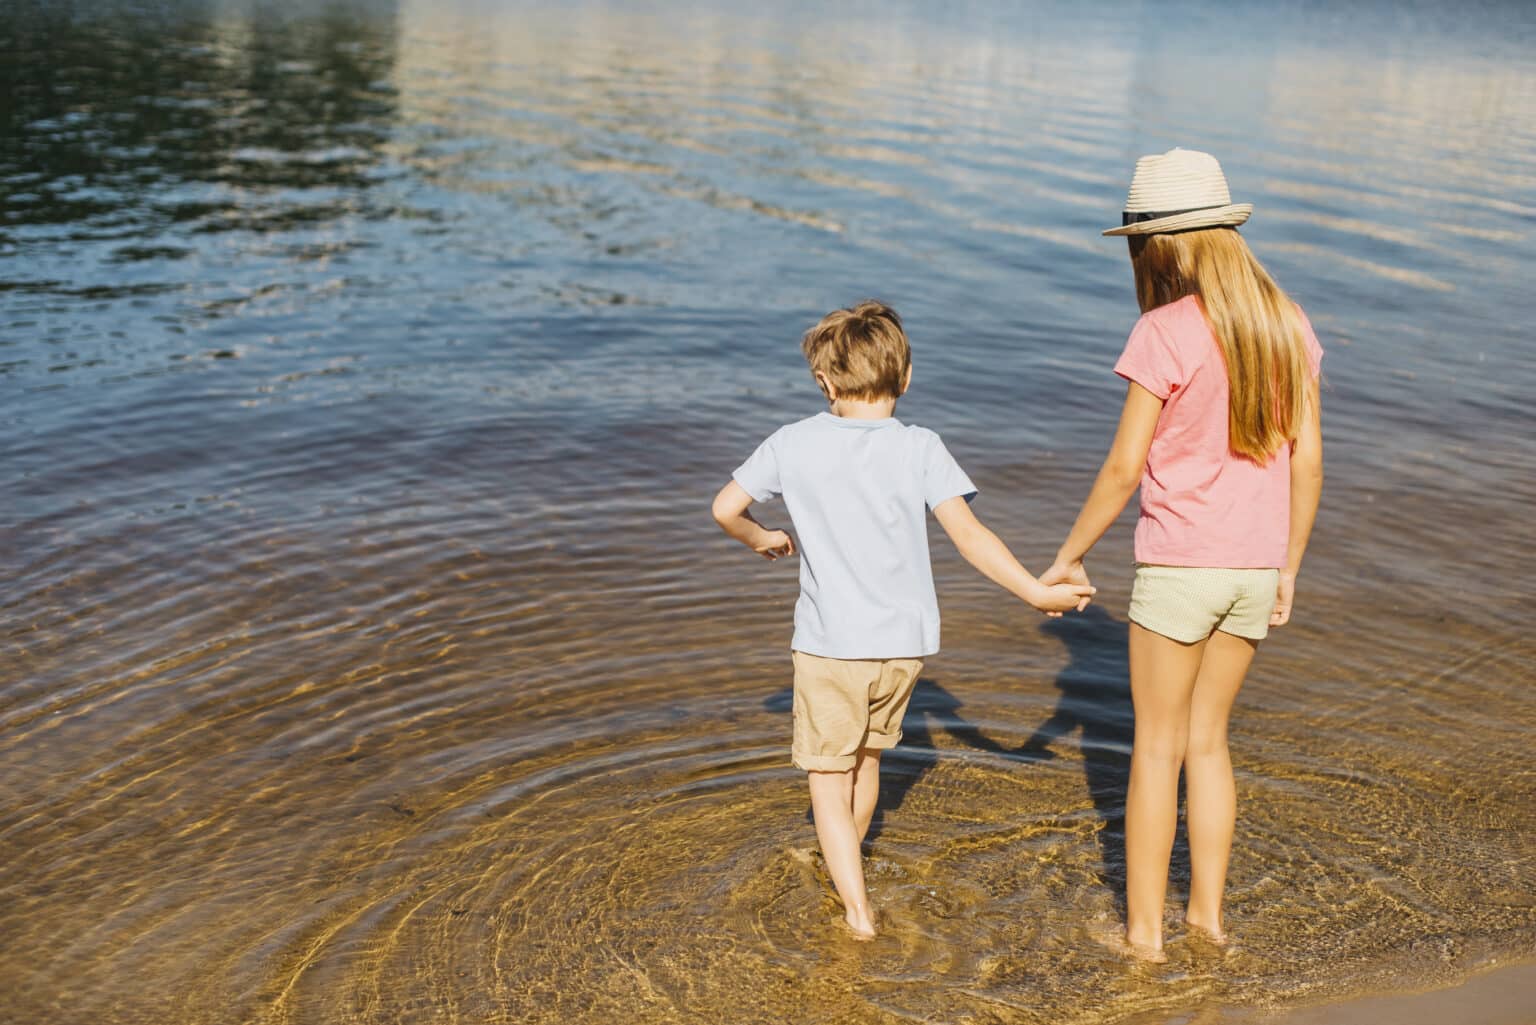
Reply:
x=1285, y=597
x=774, y=544
x=1054, y=599
x=730, y=511
x=1067, y=573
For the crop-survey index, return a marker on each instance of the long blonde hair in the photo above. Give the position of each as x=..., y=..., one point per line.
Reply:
x=1257, y=326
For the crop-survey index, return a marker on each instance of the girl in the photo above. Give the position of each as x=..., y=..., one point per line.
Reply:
x=1220, y=429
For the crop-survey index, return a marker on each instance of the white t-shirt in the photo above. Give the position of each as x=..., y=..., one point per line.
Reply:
x=856, y=491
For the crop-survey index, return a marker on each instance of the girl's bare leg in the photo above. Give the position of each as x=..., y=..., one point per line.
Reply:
x=1211, y=808
x=1163, y=673
x=866, y=789
x=832, y=807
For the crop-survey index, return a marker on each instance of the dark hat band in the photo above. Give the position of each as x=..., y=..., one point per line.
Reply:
x=1127, y=218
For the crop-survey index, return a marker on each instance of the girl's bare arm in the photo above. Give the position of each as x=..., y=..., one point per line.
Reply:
x=1117, y=481
x=1306, y=489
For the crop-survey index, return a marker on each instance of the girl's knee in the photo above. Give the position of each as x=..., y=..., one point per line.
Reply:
x=1163, y=749
x=1161, y=746
x=1207, y=744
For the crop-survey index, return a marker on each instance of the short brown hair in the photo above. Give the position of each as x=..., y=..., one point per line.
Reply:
x=862, y=350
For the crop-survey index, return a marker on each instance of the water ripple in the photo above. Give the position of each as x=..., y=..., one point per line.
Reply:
x=368, y=371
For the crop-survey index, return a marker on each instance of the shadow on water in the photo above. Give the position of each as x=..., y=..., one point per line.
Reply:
x=1094, y=702
x=932, y=707
x=1095, y=699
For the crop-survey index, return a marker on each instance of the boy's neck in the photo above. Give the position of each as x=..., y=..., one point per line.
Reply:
x=859, y=409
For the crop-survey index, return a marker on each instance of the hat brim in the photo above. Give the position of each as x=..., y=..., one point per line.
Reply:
x=1216, y=217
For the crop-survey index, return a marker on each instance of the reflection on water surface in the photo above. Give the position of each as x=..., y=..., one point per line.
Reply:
x=371, y=657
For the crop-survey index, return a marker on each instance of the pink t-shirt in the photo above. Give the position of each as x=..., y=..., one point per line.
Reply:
x=1202, y=505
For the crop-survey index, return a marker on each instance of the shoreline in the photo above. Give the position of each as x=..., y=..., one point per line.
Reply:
x=1503, y=994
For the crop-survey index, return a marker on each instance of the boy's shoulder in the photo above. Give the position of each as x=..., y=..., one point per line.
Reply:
x=804, y=425
x=790, y=434
x=828, y=422
x=820, y=428
x=921, y=433
x=919, y=437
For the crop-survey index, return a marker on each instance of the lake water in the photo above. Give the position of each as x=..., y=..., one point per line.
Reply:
x=366, y=371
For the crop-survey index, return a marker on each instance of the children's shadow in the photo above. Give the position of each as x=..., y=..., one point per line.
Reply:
x=932, y=707
x=1095, y=700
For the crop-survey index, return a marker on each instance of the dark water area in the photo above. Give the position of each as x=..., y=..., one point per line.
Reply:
x=367, y=653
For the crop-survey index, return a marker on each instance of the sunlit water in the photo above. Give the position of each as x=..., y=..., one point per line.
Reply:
x=369, y=655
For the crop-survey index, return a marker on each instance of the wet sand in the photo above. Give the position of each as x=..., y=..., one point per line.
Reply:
x=1498, y=996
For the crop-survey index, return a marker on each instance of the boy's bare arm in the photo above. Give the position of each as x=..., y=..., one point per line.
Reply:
x=984, y=550
x=730, y=511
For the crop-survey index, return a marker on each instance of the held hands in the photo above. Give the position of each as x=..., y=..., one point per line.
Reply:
x=1059, y=598
x=1285, y=597
x=773, y=544
x=1065, y=589
x=985, y=551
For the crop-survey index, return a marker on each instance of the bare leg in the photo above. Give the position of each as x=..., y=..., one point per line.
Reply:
x=832, y=807
x=1209, y=792
x=866, y=789
x=1163, y=675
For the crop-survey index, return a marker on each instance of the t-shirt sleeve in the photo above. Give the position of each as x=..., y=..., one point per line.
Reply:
x=942, y=477
x=1309, y=339
x=759, y=475
x=1150, y=360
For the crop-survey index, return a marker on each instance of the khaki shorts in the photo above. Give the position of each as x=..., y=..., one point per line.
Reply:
x=1187, y=603
x=844, y=704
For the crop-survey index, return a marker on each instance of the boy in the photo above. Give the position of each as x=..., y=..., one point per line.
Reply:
x=855, y=481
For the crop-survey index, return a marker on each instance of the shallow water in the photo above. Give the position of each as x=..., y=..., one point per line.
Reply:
x=367, y=371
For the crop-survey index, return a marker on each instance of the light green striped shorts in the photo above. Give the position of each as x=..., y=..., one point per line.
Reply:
x=1187, y=603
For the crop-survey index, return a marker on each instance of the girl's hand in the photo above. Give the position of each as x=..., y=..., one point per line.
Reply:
x=1285, y=598
x=1054, y=599
x=1068, y=573
x=774, y=544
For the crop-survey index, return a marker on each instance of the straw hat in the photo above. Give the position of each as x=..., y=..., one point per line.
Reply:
x=1177, y=191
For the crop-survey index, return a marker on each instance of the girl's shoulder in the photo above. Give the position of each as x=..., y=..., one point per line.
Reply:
x=1309, y=342
x=1167, y=347
x=1179, y=316
x=1180, y=327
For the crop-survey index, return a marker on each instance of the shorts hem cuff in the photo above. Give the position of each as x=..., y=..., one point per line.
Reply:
x=1172, y=634
x=824, y=763
x=1245, y=635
